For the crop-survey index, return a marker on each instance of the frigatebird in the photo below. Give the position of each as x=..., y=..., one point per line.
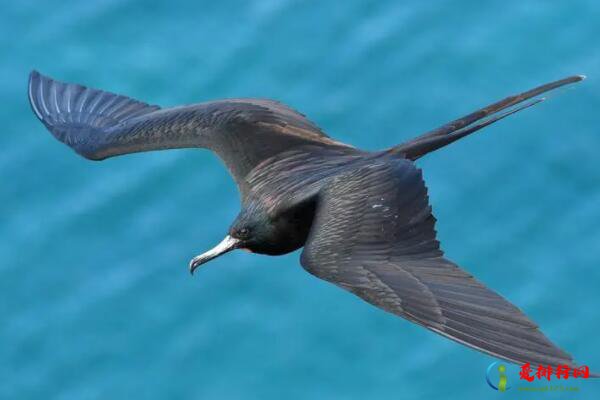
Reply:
x=363, y=218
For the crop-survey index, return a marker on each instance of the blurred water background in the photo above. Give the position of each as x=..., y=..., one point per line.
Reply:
x=95, y=298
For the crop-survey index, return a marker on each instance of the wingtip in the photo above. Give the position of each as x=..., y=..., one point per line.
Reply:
x=34, y=75
x=575, y=78
x=569, y=80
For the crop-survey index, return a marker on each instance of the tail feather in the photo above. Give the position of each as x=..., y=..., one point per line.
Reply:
x=477, y=120
x=73, y=112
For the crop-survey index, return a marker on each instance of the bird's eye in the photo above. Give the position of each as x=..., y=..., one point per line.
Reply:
x=243, y=232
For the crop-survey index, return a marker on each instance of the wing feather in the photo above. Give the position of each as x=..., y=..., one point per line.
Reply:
x=98, y=125
x=374, y=235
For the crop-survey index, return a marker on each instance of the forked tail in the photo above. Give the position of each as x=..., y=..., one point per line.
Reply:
x=473, y=122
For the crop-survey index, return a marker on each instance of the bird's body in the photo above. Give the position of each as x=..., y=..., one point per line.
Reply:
x=363, y=218
x=282, y=192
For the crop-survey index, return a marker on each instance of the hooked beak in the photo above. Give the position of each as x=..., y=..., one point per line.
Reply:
x=228, y=244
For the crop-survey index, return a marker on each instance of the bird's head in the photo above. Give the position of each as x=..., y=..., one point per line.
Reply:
x=250, y=231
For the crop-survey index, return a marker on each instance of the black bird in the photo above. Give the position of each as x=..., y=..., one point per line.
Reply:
x=363, y=218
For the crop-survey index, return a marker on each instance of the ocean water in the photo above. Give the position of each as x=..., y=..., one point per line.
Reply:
x=95, y=298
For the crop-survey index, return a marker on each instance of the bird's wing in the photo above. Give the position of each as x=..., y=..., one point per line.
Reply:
x=374, y=235
x=98, y=125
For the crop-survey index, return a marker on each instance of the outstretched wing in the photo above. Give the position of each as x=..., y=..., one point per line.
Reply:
x=98, y=125
x=374, y=235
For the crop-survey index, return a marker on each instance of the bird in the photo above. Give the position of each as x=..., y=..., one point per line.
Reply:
x=363, y=218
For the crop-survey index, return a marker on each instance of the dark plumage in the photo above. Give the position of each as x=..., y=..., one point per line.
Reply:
x=363, y=218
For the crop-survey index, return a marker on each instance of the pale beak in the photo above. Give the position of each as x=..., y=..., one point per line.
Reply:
x=226, y=245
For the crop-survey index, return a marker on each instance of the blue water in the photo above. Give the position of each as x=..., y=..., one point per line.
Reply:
x=95, y=298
